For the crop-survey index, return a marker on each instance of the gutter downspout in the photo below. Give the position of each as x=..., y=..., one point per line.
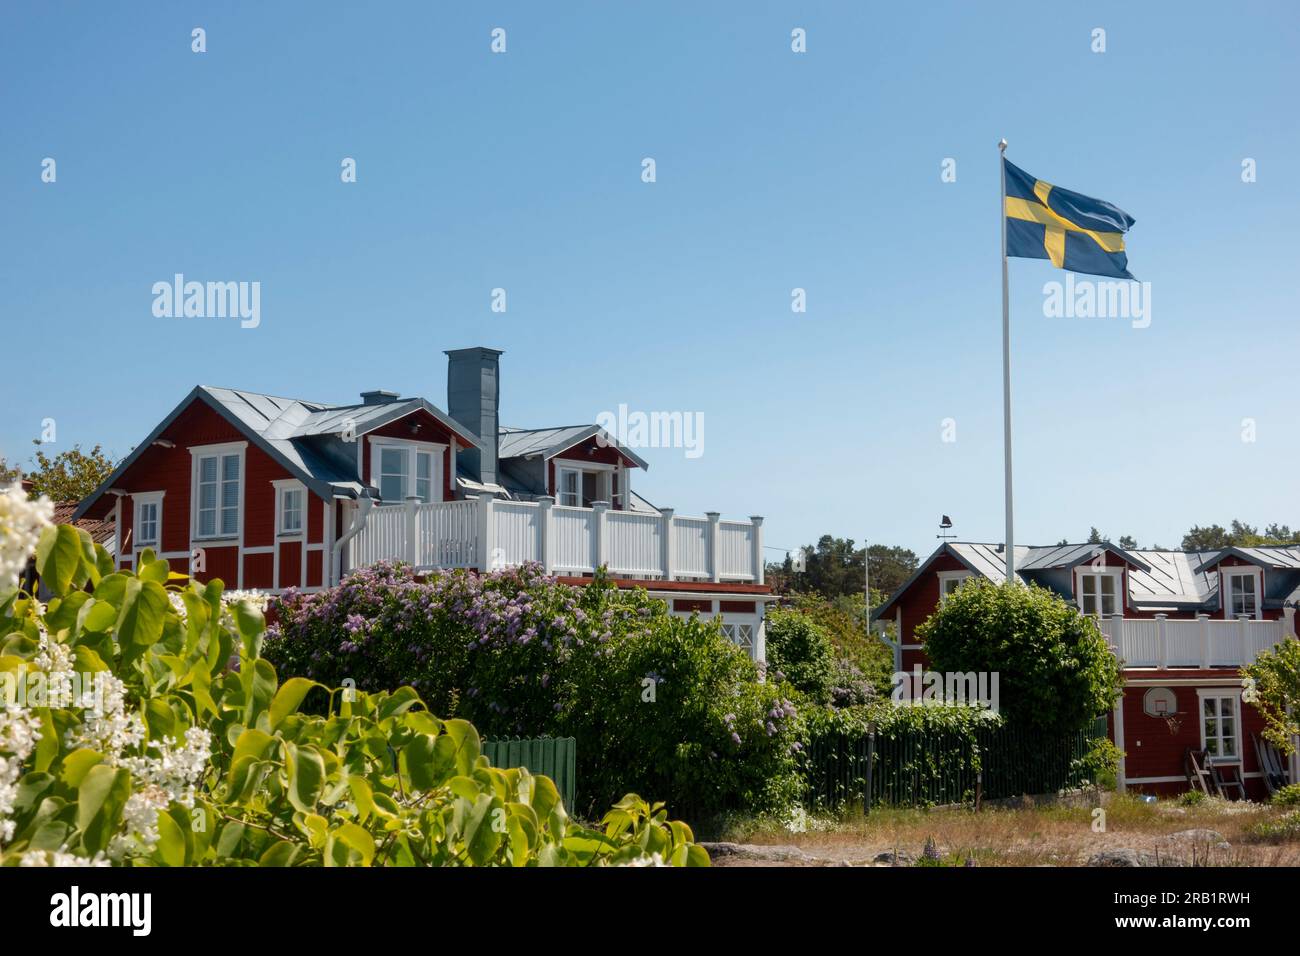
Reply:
x=354, y=528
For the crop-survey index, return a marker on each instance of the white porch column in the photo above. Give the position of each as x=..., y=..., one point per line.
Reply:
x=668, y=562
x=1288, y=621
x=715, y=566
x=598, y=556
x=412, y=540
x=1162, y=637
x=545, y=531
x=760, y=634
x=484, y=550
x=1204, y=623
x=757, y=521
x=1243, y=639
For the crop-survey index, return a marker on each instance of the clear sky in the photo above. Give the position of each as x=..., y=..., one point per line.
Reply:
x=775, y=170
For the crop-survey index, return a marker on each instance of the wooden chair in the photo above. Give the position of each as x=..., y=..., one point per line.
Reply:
x=1270, y=765
x=1198, y=773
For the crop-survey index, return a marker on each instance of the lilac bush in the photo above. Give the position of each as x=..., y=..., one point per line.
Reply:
x=654, y=699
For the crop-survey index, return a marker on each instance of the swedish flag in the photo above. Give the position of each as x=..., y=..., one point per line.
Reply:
x=1076, y=232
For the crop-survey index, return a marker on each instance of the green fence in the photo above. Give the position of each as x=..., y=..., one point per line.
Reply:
x=906, y=767
x=555, y=757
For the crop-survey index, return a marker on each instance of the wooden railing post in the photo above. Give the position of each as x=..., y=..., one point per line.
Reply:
x=715, y=545
x=1204, y=620
x=757, y=522
x=598, y=556
x=545, y=531
x=483, y=555
x=1243, y=636
x=668, y=555
x=412, y=539
x=1163, y=637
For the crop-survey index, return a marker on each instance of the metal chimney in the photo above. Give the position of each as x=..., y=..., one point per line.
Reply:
x=473, y=399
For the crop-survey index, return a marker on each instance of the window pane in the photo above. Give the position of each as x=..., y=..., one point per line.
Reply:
x=229, y=520
x=207, y=522
x=390, y=487
x=1107, y=585
x=207, y=469
x=423, y=470
x=1211, y=707
x=230, y=468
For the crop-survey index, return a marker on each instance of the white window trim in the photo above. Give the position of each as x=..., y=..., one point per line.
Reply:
x=1226, y=574
x=283, y=485
x=945, y=577
x=437, y=475
x=1112, y=571
x=604, y=473
x=1219, y=692
x=198, y=452
x=138, y=499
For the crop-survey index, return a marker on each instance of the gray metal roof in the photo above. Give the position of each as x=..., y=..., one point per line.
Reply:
x=1156, y=578
x=548, y=442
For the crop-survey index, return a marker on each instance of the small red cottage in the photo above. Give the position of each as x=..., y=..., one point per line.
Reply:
x=270, y=493
x=1183, y=622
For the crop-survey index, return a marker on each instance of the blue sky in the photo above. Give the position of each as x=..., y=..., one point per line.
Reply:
x=775, y=170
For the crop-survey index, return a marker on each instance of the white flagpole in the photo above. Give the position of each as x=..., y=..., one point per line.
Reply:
x=1006, y=367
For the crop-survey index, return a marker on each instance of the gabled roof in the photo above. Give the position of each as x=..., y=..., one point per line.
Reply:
x=303, y=437
x=549, y=442
x=1267, y=557
x=1155, y=577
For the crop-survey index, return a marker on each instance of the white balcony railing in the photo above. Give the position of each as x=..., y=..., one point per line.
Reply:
x=487, y=534
x=1163, y=642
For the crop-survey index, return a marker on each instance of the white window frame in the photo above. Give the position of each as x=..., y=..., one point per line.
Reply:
x=1115, y=573
x=1226, y=575
x=1220, y=694
x=945, y=577
x=604, y=480
x=411, y=450
x=140, y=501
x=284, y=487
x=220, y=452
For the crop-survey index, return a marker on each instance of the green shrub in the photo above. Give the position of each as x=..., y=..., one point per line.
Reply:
x=651, y=697
x=1288, y=796
x=1282, y=830
x=142, y=727
x=800, y=652
x=1056, y=672
x=1192, y=798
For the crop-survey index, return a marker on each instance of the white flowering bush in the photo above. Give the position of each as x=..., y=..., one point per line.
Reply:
x=140, y=726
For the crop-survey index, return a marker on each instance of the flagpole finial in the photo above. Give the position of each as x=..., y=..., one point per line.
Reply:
x=1002, y=145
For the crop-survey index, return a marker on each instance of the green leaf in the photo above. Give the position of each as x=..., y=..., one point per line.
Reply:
x=144, y=609
x=58, y=557
x=306, y=771
x=359, y=839
x=288, y=698
x=171, y=841
x=100, y=799
x=77, y=764
x=155, y=571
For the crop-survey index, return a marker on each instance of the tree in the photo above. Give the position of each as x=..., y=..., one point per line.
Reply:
x=1240, y=535
x=800, y=652
x=70, y=475
x=1056, y=673
x=1128, y=541
x=1273, y=686
x=833, y=568
x=1095, y=537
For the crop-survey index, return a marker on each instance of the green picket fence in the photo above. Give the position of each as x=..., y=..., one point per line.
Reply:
x=907, y=767
x=554, y=757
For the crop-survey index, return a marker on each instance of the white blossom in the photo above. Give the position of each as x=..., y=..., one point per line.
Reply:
x=21, y=523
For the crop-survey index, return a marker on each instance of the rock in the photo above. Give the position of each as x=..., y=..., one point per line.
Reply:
x=895, y=858
x=1128, y=857
x=751, y=851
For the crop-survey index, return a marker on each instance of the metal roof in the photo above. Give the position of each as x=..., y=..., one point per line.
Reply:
x=549, y=442
x=1268, y=557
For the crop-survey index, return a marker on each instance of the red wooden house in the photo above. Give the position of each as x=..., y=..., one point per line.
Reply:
x=1183, y=623
x=270, y=493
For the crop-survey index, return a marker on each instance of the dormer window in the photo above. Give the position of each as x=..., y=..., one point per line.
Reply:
x=579, y=487
x=950, y=581
x=400, y=469
x=1241, y=592
x=1099, y=592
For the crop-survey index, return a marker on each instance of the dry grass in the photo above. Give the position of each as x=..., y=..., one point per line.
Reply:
x=1049, y=835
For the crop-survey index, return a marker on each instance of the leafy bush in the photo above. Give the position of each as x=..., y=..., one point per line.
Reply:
x=1056, y=672
x=800, y=652
x=1274, y=689
x=653, y=698
x=865, y=663
x=1281, y=830
x=141, y=726
x=1288, y=796
x=1192, y=798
